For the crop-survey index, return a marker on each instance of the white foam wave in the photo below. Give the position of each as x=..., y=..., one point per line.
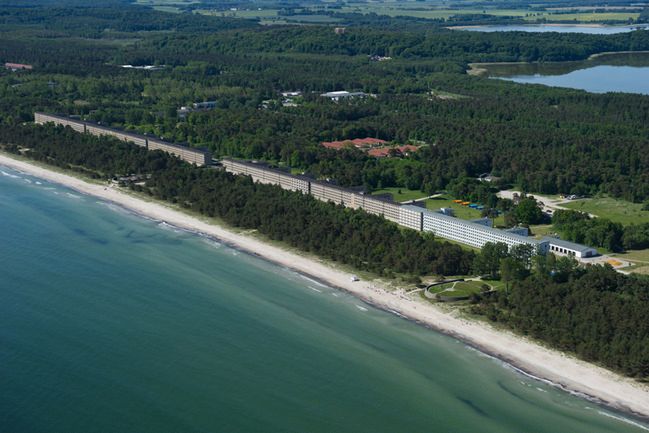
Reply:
x=211, y=242
x=314, y=289
x=13, y=176
x=623, y=419
x=311, y=280
x=114, y=207
x=361, y=308
x=396, y=313
x=168, y=226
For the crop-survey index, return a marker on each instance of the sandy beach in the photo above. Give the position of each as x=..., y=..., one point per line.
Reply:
x=563, y=370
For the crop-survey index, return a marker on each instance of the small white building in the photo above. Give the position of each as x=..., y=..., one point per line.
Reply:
x=343, y=94
x=566, y=248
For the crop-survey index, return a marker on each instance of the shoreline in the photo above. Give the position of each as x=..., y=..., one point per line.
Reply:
x=480, y=68
x=550, y=24
x=551, y=366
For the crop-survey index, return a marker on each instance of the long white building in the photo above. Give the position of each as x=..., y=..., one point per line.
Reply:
x=201, y=157
x=466, y=232
x=475, y=234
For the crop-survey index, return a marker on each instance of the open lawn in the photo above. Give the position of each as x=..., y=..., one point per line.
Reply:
x=462, y=212
x=464, y=288
x=614, y=209
x=541, y=230
x=643, y=270
x=639, y=256
x=401, y=194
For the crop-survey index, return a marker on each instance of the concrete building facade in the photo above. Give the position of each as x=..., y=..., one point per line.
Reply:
x=192, y=155
x=566, y=248
x=413, y=217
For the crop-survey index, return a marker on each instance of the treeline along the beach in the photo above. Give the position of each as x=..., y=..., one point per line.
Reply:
x=349, y=236
x=594, y=312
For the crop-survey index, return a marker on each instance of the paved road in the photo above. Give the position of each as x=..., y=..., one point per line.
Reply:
x=549, y=204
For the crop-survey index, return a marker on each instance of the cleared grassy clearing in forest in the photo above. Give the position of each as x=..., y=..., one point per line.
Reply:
x=401, y=194
x=616, y=210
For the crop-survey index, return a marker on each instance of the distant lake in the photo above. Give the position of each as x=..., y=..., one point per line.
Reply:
x=627, y=73
x=560, y=28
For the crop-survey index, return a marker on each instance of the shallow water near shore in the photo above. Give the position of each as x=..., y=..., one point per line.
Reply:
x=558, y=28
x=111, y=322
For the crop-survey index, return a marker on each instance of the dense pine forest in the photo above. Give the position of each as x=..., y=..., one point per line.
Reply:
x=544, y=140
x=596, y=313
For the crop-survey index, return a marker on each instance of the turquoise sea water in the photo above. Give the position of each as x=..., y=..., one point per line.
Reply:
x=113, y=323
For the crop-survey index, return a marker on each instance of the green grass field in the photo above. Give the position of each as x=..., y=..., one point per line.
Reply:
x=542, y=230
x=401, y=194
x=614, y=209
x=639, y=256
x=464, y=288
x=463, y=212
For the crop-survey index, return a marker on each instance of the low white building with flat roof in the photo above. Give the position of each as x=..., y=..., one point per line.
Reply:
x=343, y=94
x=566, y=248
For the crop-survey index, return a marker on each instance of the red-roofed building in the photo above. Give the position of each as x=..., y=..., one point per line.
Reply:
x=380, y=152
x=18, y=66
x=408, y=149
x=360, y=143
x=337, y=144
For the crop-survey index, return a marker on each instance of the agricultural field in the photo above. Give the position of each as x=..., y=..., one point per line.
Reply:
x=167, y=5
x=586, y=16
x=421, y=11
x=616, y=210
x=271, y=16
x=268, y=13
